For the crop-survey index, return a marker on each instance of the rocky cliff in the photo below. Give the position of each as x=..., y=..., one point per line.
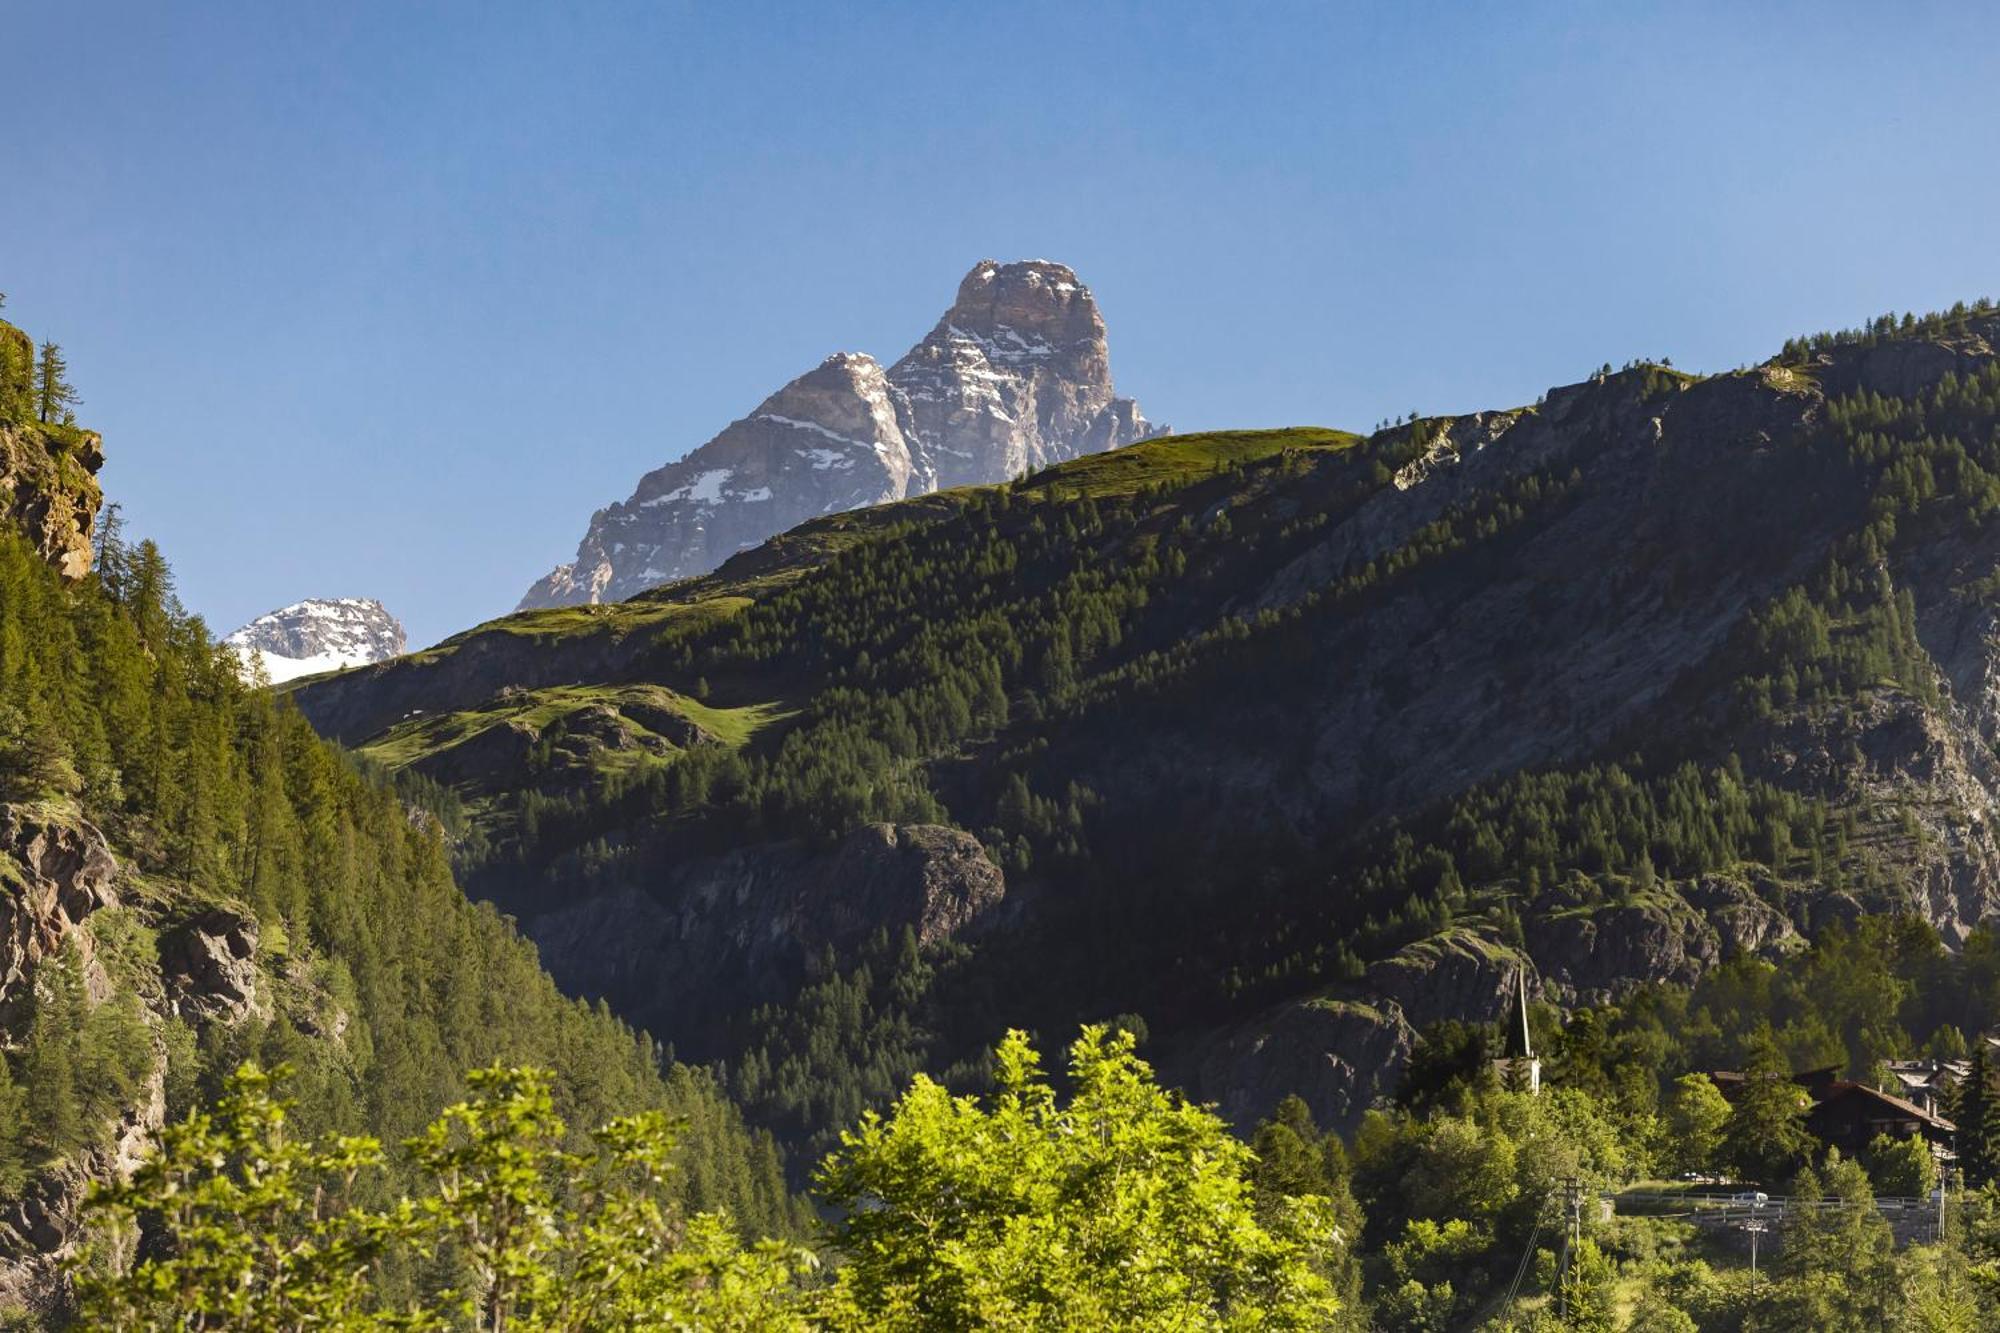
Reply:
x=318, y=634
x=48, y=472
x=1017, y=375
x=153, y=954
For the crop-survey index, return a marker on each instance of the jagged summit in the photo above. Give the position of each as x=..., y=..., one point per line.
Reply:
x=319, y=634
x=1015, y=376
x=1034, y=295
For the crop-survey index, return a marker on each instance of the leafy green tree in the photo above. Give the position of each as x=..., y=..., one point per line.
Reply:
x=620, y=1256
x=1835, y=1272
x=1901, y=1167
x=1765, y=1137
x=1652, y=1316
x=1937, y=1292
x=1419, y=1293
x=260, y=1230
x=1450, y=1063
x=1947, y=1043
x=1696, y=1114
x=1125, y=1208
x=1463, y=1169
x=1296, y=1160
x=1584, y=1290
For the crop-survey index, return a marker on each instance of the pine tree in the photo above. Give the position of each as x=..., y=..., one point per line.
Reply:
x=53, y=1110
x=113, y=556
x=55, y=396
x=13, y=1128
x=1765, y=1136
x=1976, y=1112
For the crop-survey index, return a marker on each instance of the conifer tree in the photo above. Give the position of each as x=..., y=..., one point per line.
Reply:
x=13, y=1128
x=53, y=1113
x=1765, y=1135
x=55, y=396
x=1976, y=1112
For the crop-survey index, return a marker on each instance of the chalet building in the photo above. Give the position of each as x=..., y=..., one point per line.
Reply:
x=1850, y=1116
x=1928, y=1083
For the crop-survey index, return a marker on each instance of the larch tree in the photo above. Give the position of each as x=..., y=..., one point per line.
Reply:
x=55, y=397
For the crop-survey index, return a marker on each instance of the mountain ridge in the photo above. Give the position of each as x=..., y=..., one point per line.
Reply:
x=1291, y=742
x=1015, y=375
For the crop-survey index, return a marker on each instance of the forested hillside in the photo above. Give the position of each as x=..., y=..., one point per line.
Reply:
x=193, y=878
x=1288, y=743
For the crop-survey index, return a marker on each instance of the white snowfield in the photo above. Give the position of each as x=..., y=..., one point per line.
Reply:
x=318, y=634
x=279, y=669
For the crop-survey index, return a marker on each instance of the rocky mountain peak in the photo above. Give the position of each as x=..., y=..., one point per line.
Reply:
x=319, y=634
x=1016, y=376
x=1032, y=297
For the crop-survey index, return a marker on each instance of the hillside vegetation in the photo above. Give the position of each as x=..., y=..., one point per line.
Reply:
x=192, y=878
x=1292, y=751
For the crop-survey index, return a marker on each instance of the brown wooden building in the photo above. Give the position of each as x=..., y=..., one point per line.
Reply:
x=1849, y=1115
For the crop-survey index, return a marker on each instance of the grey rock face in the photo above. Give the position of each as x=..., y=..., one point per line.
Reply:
x=1017, y=375
x=209, y=964
x=64, y=871
x=1338, y=1055
x=735, y=927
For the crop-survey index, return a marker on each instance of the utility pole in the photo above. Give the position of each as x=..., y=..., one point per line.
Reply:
x=1944, y=1188
x=1572, y=1237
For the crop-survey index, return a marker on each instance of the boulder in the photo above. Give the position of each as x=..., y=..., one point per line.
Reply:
x=209, y=964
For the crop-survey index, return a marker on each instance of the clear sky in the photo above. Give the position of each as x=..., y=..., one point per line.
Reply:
x=385, y=299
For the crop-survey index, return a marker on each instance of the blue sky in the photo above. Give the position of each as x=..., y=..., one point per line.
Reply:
x=385, y=299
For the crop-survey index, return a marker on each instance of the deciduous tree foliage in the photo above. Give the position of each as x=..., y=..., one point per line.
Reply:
x=259, y=1231
x=1121, y=1207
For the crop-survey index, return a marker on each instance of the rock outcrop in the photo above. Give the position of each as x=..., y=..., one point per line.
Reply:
x=48, y=473
x=209, y=964
x=57, y=874
x=738, y=926
x=54, y=872
x=1017, y=375
x=318, y=634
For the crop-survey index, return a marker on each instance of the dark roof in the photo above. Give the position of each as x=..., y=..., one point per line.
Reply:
x=1843, y=1089
x=1825, y=1088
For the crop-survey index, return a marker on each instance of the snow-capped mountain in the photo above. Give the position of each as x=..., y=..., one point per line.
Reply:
x=319, y=634
x=1017, y=375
